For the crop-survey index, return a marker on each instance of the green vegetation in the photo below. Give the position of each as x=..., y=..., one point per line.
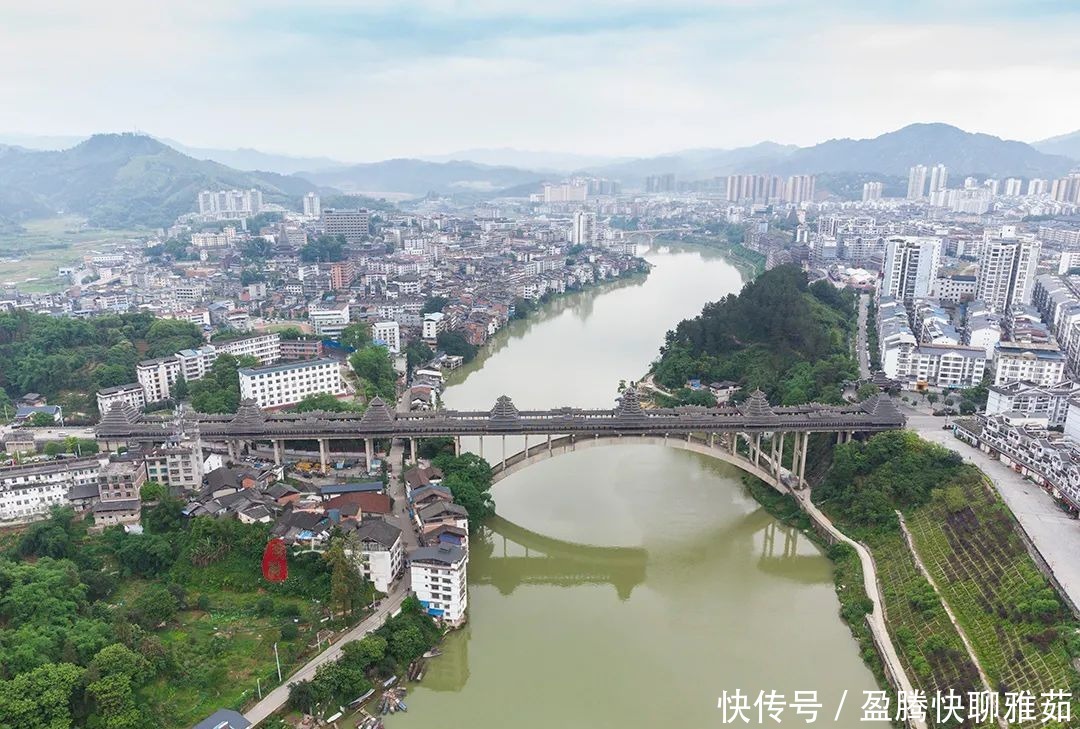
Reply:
x=455, y=343
x=373, y=366
x=357, y=335
x=386, y=652
x=324, y=249
x=149, y=630
x=121, y=180
x=1022, y=634
x=68, y=359
x=218, y=391
x=434, y=304
x=872, y=342
x=778, y=334
x=468, y=477
x=417, y=354
x=71, y=444
x=326, y=402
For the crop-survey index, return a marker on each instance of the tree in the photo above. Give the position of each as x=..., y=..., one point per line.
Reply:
x=366, y=652
x=324, y=249
x=357, y=335
x=119, y=659
x=407, y=644
x=152, y=491
x=114, y=702
x=180, y=390
x=455, y=343
x=416, y=354
x=168, y=336
x=434, y=304
x=320, y=401
x=347, y=588
x=41, y=698
x=153, y=606
x=41, y=420
x=372, y=364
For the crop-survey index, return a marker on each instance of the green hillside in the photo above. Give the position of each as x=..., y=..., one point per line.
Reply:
x=123, y=180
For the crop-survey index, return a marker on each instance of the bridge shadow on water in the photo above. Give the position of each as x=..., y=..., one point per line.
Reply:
x=511, y=555
x=505, y=555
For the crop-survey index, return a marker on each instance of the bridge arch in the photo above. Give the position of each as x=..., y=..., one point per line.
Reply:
x=568, y=444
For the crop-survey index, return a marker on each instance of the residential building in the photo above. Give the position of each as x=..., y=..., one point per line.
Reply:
x=305, y=348
x=387, y=333
x=1033, y=401
x=916, y=186
x=382, y=552
x=1007, y=272
x=584, y=231
x=289, y=383
x=330, y=321
x=178, y=467
x=954, y=288
x=434, y=324
x=157, y=376
x=1042, y=365
x=911, y=267
x=872, y=191
x=439, y=578
x=354, y=225
x=131, y=394
x=29, y=491
x=312, y=207
x=939, y=178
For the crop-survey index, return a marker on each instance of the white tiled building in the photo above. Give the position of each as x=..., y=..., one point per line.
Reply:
x=439, y=580
x=1039, y=364
x=131, y=394
x=289, y=383
x=387, y=333
x=1051, y=403
x=157, y=376
x=382, y=552
x=29, y=491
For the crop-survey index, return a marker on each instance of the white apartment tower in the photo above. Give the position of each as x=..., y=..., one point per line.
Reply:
x=312, y=207
x=911, y=267
x=584, y=231
x=916, y=182
x=939, y=178
x=1006, y=271
x=872, y=191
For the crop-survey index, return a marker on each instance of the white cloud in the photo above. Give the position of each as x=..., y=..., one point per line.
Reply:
x=210, y=75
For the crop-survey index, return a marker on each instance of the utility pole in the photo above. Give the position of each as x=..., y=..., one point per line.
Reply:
x=278, y=662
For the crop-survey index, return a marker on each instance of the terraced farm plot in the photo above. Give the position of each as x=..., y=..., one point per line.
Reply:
x=928, y=643
x=1016, y=623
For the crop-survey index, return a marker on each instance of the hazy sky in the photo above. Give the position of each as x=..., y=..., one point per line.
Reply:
x=371, y=79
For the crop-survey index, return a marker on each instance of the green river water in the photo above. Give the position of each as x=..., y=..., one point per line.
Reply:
x=627, y=586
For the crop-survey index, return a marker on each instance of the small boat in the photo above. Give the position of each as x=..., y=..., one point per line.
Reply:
x=432, y=653
x=363, y=698
x=389, y=682
x=401, y=705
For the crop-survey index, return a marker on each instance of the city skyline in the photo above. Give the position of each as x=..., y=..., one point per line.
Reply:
x=427, y=78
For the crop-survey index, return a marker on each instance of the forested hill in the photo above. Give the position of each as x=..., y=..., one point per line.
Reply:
x=68, y=360
x=779, y=334
x=123, y=180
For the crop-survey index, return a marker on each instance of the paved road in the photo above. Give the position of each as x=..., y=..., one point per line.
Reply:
x=861, y=346
x=52, y=433
x=1054, y=533
x=277, y=698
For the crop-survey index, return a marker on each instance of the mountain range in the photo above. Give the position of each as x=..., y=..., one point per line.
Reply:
x=121, y=180
x=1065, y=144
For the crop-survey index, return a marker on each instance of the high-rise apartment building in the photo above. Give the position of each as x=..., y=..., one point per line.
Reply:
x=1036, y=186
x=1006, y=271
x=312, y=206
x=583, y=232
x=910, y=268
x=939, y=178
x=916, y=184
x=354, y=225
x=872, y=191
x=1013, y=187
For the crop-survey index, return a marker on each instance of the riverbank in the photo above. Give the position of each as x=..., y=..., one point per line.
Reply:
x=750, y=263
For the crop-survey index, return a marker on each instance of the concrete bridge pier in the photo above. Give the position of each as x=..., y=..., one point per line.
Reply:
x=412, y=450
x=481, y=439
x=324, y=452
x=232, y=449
x=549, y=443
x=504, y=451
x=457, y=445
x=278, y=447
x=369, y=451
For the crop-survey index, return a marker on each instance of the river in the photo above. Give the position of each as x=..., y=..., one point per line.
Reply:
x=627, y=586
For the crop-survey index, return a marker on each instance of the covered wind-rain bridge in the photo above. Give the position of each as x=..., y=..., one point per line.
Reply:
x=750, y=435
